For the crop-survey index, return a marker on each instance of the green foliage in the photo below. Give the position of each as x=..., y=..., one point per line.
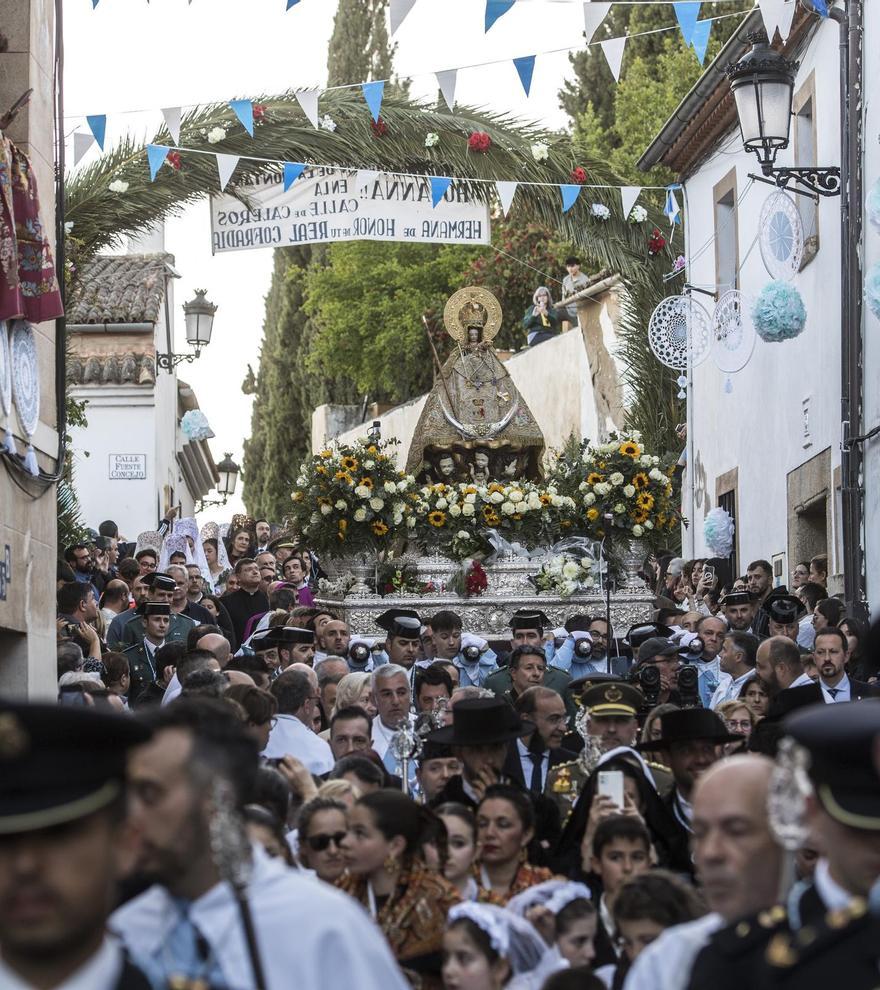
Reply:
x=359, y=48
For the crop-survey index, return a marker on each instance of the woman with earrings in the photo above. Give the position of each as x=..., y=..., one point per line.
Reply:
x=409, y=902
x=505, y=829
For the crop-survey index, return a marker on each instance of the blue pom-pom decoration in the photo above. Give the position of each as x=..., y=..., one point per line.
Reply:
x=872, y=205
x=195, y=425
x=779, y=312
x=872, y=289
x=718, y=530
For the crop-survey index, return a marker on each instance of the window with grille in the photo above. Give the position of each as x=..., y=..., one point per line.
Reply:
x=727, y=501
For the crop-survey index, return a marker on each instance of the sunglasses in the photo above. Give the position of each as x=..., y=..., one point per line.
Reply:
x=318, y=843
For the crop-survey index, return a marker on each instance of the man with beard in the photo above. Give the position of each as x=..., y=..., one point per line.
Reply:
x=760, y=580
x=579, y=660
x=64, y=846
x=332, y=639
x=829, y=652
x=194, y=774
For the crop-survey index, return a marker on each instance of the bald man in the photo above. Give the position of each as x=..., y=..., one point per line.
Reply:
x=738, y=865
x=218, y=645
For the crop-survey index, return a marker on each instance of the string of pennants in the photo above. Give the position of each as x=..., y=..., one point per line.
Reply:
x=439, y=184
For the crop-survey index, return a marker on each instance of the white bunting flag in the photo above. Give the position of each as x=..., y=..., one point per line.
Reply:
x=81, y=144
x=446, y=81
x=628, y=197
x=594, y=14
x=506, y=192
x=226, y=165
x=308, y=100
x=398, y=11
x=777, y=14
x=172, y=122
x=613, y=51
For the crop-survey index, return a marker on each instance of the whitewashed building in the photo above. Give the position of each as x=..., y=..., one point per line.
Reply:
x=766, y=440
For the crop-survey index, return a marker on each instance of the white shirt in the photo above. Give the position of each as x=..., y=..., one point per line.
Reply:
x=381, y=737
x=729, y=687
x=842, y=691
x=608, y=924
x=802, y=681
x=283, y=901
x=806, y=636
x=666, y=964
x=834, y=897
x=291, y=736
x=173, y=690
x=101, y=972
x=525, y=759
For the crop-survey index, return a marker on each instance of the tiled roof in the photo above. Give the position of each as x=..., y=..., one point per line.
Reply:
x=126, y=288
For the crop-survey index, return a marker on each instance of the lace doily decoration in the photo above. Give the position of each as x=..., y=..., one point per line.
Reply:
x=26, y=386
x=733, y=332
x=781, y=236
x=679, y=323
x=5, y=371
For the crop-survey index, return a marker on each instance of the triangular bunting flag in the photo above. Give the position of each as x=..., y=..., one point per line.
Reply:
x=308, y=101
x=225, y=167
x=570, y=194
x=290, y=3
x=628, y=197
x=95, y=3
x=613, y=51
x=496, y=9
x=686, y=13
x=81, y=144
x=156, y=155
x=244, y=110
x=525, y=66
x=446, y=81
x=821, y=7
x=365, y=177
x=399, y=10
x=373, y=95
x=98, y=126
x=439, y=185
x=594, y=14
x=172, y=122
x=506, y=192
x=292, y=171
x=671, y=208
x=777, y=14
x=700, y=39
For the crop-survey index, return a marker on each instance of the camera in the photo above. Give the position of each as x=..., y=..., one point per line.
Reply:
x=688, y=686
x=583, y=649
x=471, y=654
x=359, y=653
x=649, y=683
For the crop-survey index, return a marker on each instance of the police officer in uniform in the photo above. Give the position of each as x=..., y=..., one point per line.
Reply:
x=63, y=846
x=142, y=664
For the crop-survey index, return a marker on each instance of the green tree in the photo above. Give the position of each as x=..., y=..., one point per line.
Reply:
x=359, y=49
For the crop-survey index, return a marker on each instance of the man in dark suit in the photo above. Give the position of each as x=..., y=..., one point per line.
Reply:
x=829, y=651
x=530, y=757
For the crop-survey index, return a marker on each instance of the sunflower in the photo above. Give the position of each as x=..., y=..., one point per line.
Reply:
x=495, y=487
x=593, y=478
x=640, y=480
x=645, y=501
x=545, y=499
x=343, y=476
x=592, y=514
x=491, y=516
x=349, y=463
x=321, y=469
x=640, y=517
x=326, y=453
x=661, y=518
x=366, y=481
x=630, y=449
x=379, y=528
x=437, y=518
x=372, y=449
x=297, y=496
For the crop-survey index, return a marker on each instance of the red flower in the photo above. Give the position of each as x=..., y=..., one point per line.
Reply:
x=475, y=582
x=656, y=243
x=173, y=159
x=379, y=127
x=579, y=175
x=259, y=113
x=479, y=141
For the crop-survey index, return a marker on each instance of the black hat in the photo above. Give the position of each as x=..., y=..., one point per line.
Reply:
x=402, y=622
x=739, y=598
x=159, y=581
x=578, y=623
x=288, y=635
x=435, y=751
x=482, y=722
x=528, y=618
x=689, y=725
x=638, y=634
x=840, y=740
x=157, y=608
x=656, y=646
x=784, y=609
x=578, y=686
x=265, y=639
x=612, y=697
x=59, y=764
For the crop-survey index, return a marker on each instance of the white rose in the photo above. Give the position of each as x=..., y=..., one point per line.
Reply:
x=508, y=509
x=369, y=465
x=363, y=492
x=570, y=570
x=648, y=524
x=442, y=503
x=398, y=520
x=467, y=509
x=637, y=530
x=403, y=485
x=377, y=504
x=522, y=507
x=326, y=509
x=556, y=501
x=602, y=488
x=342, y=506
x=454, y=510
x=390, y=487
x=620, y=508
x=568, y=588
x=470, y=498
x=496, y=497
x=589, y=498
x=534, y=502
x=398, y=507
x=608, y=448
x=462, y=535
x=616, y=478
x=629, y=491
x=515, y=495
x=645, y=460
x=360, y=515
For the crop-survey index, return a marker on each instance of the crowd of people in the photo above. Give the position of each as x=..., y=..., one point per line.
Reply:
x=684, y=804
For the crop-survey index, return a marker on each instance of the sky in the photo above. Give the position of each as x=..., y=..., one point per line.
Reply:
x=130, y=55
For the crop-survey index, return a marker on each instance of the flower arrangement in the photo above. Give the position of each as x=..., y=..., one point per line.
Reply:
x=479, y=141
x=656, y=242
x=540, y=151
x=638, y=214
x=564, y=575
x=351, y=499
x=600, y=211
x=579, y=175
x=401, y=579
x=779, y=312
x=378, y=127
x=432, y=139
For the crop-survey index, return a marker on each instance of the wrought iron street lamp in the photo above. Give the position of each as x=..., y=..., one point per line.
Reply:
x=199, y=316
x=228, y=471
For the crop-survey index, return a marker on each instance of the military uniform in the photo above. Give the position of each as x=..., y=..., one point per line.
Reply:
x=141, y=670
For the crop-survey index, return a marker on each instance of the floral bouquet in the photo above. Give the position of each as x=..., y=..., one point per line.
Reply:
x=534, y=514
x=447, y=520
x=396, y=578
x=564, y=575
x=471, y=581
x=350, y=498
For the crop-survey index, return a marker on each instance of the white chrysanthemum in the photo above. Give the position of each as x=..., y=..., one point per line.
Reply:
x=602, y=488
x=616, y=478
x=496, y=497
x=390, y=487
x=467, y=509
x=515, y=495
x=655, y=474
x=377, y=504
x=645, y=460
x=442, y=503
x=470, y=498
x=508, y=508
x=570, y=570
x=589, y=498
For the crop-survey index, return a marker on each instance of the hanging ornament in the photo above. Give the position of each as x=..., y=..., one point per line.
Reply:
x=733, y=332
x=781, y=236
x=779, y=312
x=26, y=386
x=681, y=382
x=6, y=387
x=677, y=324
